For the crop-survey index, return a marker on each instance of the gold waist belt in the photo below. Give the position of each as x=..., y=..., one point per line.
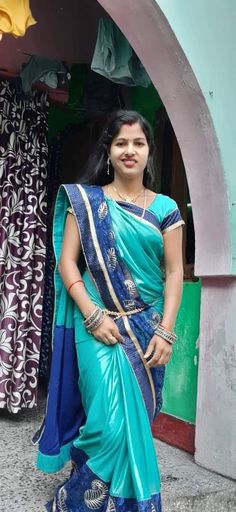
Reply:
x=118, y=314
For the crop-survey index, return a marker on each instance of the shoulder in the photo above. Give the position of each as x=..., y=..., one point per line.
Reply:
x=80, y=196
x=79, y=188
x=166, y=210
x=80, y=185
x=162, y=205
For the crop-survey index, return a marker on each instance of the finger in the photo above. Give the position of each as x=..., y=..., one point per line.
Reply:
x=150, y=349
x=167, y=357
x=162, y=361
x=105, y=337
x=102, y=340
x=112, y=340
x=155, y=358
x=118, y=336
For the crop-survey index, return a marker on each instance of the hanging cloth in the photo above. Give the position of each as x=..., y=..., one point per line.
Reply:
x=15, y=17
x=38, y=68
x=115, y=59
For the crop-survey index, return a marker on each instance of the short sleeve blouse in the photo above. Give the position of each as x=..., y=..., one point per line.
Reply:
x=167, y=213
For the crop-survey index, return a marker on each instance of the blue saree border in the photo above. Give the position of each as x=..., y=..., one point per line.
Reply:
x=84, y=491
x=141, y=213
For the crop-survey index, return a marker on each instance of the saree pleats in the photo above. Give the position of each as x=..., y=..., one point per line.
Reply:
x=119, y=468
x=117, y=435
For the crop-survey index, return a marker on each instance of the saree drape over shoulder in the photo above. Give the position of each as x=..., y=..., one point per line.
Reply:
x=102, y=399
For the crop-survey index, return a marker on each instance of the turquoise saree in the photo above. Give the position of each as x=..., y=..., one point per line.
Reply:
x=102, y=399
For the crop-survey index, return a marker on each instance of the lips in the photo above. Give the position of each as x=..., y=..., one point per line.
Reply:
x=129, y=163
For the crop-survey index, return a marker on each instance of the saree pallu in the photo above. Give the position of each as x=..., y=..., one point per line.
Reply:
x=102, y=399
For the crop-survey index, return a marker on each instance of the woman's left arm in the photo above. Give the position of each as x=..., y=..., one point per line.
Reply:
x=158, y=349
x=173, y=276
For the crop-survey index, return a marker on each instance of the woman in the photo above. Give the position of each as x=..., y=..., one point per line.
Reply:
x=113, y=325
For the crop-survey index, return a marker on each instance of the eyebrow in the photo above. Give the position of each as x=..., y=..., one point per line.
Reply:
x=137, y=138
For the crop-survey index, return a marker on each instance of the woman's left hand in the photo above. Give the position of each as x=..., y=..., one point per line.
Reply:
x=160, y=350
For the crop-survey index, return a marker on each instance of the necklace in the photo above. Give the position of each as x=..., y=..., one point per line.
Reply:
x=128, y=199
x=134, y=198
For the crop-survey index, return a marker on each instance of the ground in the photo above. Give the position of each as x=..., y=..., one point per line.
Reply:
x=185, y=486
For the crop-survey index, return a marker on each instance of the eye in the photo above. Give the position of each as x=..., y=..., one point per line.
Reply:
x=140, y=144
x=120, y=144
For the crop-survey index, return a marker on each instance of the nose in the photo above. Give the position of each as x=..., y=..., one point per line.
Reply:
x=130, y=149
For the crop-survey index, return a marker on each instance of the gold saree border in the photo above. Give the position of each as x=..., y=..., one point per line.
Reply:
x=98, y=250
x=140, y=352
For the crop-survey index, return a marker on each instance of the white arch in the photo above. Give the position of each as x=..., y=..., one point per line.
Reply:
x=149, y=33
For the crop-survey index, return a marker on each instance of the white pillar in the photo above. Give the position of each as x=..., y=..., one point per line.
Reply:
x=216, y=403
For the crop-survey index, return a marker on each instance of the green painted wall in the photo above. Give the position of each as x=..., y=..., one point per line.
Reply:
x=180, y=388
x=206, y=32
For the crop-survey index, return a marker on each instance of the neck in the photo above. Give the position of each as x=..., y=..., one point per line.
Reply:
x=128, y=186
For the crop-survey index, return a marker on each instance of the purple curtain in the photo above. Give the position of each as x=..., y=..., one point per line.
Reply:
x=23, y=206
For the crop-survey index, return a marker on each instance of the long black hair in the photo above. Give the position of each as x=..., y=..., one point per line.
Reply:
x=95, y=171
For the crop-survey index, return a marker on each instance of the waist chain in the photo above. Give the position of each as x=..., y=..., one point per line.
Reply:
x=119, y=314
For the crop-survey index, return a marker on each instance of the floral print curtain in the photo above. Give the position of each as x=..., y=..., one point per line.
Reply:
x=23, y=209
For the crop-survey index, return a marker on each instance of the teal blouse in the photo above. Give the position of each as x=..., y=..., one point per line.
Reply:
x=141, y=248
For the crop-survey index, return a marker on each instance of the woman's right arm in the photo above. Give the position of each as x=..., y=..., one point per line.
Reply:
x=68, y=268
x=69, y=272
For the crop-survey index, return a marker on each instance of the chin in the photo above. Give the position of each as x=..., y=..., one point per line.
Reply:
x=129, y=173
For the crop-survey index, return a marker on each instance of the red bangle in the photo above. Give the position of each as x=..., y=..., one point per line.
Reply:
x=78, y=281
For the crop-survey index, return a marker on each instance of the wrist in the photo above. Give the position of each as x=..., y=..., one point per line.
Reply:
x=94, y=320
x=167, y=324
x=165, y=334
x=87, y=308
x=87, y=312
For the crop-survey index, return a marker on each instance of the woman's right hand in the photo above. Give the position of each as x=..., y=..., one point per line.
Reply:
x=107, y=332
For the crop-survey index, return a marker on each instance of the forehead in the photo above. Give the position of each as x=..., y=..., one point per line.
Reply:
x=131, y=131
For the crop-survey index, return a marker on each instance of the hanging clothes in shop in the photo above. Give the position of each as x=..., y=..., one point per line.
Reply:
x=115, y=59
x=15, y=17
x=23, y=174
x=39, y=68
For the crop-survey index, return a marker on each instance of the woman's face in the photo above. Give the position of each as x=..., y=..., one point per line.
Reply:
x=129, y=151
